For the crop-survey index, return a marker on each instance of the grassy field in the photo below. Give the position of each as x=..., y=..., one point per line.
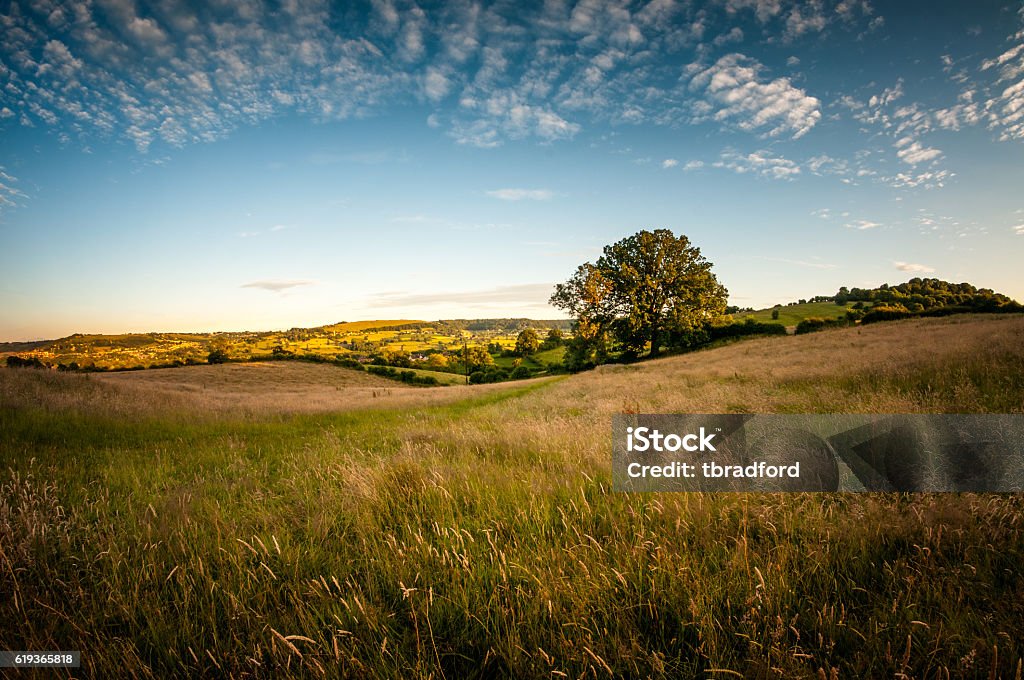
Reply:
x=471, y=531
x=791, y=315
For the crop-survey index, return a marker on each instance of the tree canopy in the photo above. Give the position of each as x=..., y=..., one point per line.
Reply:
x=642, y=292
x=528, y=342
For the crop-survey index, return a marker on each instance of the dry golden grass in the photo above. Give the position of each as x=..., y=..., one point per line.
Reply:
x=480, y=537
x=895, y=367
x=280, y=387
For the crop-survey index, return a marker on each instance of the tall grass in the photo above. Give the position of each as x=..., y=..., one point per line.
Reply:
x=480, y=538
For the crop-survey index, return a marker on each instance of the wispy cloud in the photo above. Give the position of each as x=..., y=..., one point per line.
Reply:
x=1019, y=230
x=522, y=194
x=913, y=268
x=862, y=225
x=762, y=163
x=278, y=285
x=669, y=163
x=525, y=294
x=9, y=194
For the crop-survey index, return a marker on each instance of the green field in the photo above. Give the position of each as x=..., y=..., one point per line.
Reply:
x=791, y=315
x=441, y=377
x=471, y=531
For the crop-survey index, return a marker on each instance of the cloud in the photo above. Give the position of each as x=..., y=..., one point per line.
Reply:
x=764, y=10
x=913, y=268
x=521, y=194
x=525, y=294
x=9, y=194
x=762, y=163
x=693, y=165
x=1019, y=230
x=735, y=91
x=806, y=19
x=169, y=74
x=669, y=163
x=436, y=84
x=915, y=153
x=862, y=225
x=278, y=285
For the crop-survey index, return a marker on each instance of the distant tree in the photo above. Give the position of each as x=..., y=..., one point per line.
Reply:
x=519, y=372
x=437, y=361
x=217, y=356
x=477, y=358
x=643, y=287
x=554, y=339
x=775, y=314
x=527, y=342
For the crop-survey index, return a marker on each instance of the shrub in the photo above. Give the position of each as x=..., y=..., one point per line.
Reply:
x=18, y=362
x=745, y=327
x=814, y=323
x=217, y=356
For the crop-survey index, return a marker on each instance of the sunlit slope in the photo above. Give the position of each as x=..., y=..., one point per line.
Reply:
x=472, y=531
x=967, y=364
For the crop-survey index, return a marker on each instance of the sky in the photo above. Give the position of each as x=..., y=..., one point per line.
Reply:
x=249, y=165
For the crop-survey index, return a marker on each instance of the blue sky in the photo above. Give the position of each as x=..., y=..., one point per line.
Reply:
x=249, y=165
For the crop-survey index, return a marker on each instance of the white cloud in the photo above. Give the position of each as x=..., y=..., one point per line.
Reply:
x=278, y=285
x=436, y=84
x=523, y=294
x=915, y=153
x=806, y=19
x=764, y=10
x=735, y=92
x=172, y=73
x=862, y=225
x=762, y=163
x=669, y=163
x=1019, y=230
x=914, y=268
x=522, y=194
x=9, y=194
x=693, y=165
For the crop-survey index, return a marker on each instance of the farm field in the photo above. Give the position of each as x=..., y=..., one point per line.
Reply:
x=191, y=522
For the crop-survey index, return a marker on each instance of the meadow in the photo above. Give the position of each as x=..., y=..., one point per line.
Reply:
x=792, y=314
x=236, y=522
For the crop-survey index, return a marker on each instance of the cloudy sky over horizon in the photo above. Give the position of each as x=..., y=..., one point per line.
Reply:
x=233, y=165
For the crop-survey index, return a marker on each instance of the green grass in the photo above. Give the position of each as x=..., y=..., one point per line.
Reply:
x=442, y=377
x=791, y=315
x=481, y=538
x=538, y=362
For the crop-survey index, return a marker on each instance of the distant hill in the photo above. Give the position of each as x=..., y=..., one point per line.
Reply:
x=924, y=297
x=361, y=341
x=793, y=313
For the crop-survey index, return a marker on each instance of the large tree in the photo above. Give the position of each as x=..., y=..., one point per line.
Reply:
x=642, y=290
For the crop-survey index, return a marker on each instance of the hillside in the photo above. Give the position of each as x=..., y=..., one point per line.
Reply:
x=359, y=340
x=472, y=532
x=792, y=314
